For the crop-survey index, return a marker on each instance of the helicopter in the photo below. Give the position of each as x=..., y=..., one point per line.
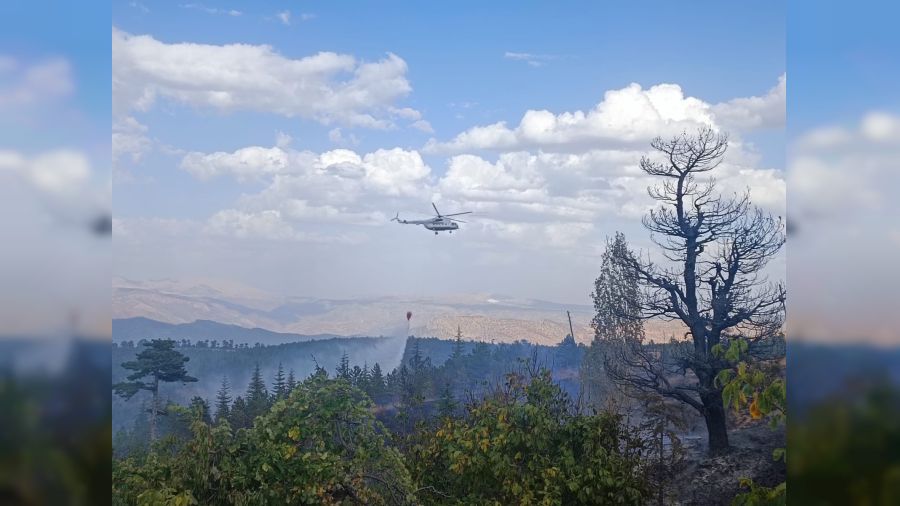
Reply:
x=439, y=223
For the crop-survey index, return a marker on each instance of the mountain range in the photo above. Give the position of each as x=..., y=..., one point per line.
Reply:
x=211, y=306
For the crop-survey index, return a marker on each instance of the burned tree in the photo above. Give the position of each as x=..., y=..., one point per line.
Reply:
x=709, y=277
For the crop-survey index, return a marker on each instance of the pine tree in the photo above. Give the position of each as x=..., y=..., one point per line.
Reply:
x=343, y=369
x=415, y=362
x=161, y=363
x=223, y=401
x=291, y=381
x=279, y=386
x=457, y=345
x=376, y=382
x=257, y=396
x=447, y=403
x=239, y=418
x=201, y=406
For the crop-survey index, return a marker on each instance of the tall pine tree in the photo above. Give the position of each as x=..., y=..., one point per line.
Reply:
x=257, y=396
x=376, y=382
x=239, y=418
x=615, y=322
x=158, y=362
x=447, y=403
x=291, y=381
x=223, y=401
x=457, y=345
x=279, y=386
x=343, y=369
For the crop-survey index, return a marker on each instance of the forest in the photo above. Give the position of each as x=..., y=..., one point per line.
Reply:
x=698, y=419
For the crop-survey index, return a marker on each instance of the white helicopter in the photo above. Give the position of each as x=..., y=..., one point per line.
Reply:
x=440, y=223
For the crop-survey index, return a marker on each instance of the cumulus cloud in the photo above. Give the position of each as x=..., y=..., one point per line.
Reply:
x=586, y=187
x=58, y=172
x=263, y=225
x=767, y=111
x=326, y=87
x=62, y=181
x=390, y=171
x=337, y=187
x=840, y=171
x=129, y=139
x=626, y=117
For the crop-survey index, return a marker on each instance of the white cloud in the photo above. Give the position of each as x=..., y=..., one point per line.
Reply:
x=129, y=138
x=61, y=181
x=211, y=10
x=422, y=125
x=843, y=254
x=337, y=187
x=336, y=136
x=839, y=172
x=34, y=84
x=534, y=60
x=388, y=171
x=284, y=17
x=283, y=140
x=627, y=117
x=263, y=225
x=880, y=127
x=245, y=164
x=624, y=117
x=59, y=172
x=327, y=87
x=139, y=6
x=767, y=111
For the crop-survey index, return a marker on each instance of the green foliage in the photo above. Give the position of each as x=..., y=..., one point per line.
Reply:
x=756, y=387
x=223, y=401
x=54, y=456
x=846, y=451
x=279, y=384
x=616, y=321
x=761, y=496
x=256, y=397
x=320, y=445
x=523, y=445
x=159, y=361
x=763, y=393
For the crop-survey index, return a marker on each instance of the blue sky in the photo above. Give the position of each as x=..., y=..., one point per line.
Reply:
x=198, y=168
x=843, y=61
x=32, y=32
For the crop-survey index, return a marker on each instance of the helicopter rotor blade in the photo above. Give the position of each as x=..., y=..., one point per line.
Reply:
x=457, y=214
x=460, y=221
x=435, y=210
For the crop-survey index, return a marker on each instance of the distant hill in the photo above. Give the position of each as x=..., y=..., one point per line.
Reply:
x=817, y=371
x=134, y=329
x=480, y=316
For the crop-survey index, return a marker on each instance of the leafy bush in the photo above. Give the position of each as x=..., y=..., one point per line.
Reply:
x=321, y=445
x=524, y=445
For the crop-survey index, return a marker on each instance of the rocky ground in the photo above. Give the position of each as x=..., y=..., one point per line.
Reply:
x=708, y=481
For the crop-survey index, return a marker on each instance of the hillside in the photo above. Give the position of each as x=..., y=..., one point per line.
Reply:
x=485, y=317
x=138, y=328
